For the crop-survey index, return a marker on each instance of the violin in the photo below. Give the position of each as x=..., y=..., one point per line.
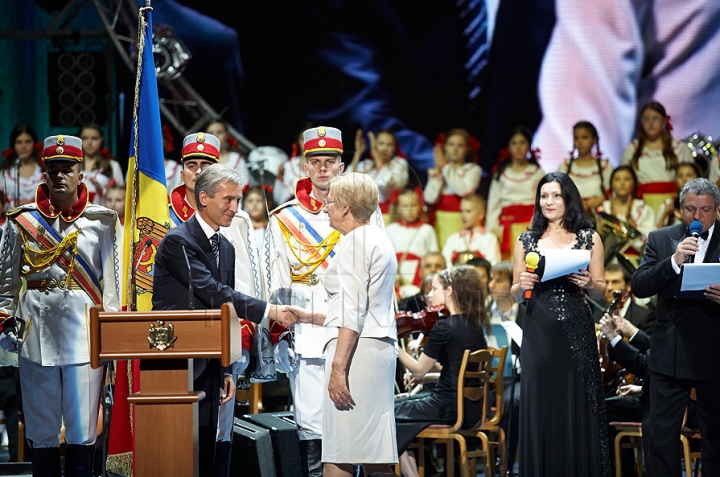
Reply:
x=408, y=322
x=613, y=374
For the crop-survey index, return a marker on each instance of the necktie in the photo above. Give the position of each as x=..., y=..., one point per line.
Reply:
x=473, y=18
x=215, y=242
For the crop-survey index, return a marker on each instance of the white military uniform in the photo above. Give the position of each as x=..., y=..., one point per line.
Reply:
x=55, y=351
x=298, y=222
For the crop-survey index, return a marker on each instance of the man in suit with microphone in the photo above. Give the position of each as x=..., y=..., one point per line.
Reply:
x=211, y=259
x=686, y=338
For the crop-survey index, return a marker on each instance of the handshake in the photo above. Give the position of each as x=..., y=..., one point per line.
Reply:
x=291, y=314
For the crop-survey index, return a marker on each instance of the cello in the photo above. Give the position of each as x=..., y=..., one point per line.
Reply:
x=613, y=374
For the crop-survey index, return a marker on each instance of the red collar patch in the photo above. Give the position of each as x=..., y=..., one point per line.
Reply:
x=303, y=188
x=45, y=206
x=179, y=204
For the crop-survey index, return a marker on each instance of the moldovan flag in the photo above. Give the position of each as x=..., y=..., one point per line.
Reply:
x=146, y=221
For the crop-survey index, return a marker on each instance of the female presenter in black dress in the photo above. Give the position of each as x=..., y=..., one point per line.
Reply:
x=563, y=427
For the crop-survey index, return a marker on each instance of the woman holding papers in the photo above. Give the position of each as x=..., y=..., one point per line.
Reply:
x=563, y=428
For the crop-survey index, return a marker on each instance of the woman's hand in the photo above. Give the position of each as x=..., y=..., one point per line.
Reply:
x=528, y=280
x=582, y=278
x=338, y=387
x=306, y=316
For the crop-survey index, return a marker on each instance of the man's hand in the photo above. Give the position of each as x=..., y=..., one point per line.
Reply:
x=713, y=293
x=629, y=390
x=624, y=326
x=282, y=314
x=307, y=316
x=685, y=249
x=608, y=327
x=9, y=341
x=228, y=391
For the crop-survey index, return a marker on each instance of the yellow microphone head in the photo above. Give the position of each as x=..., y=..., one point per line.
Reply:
x=532, y=260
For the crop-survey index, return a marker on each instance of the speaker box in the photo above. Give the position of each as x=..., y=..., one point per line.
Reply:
x=252, y=451
x=77, y=88
x=21, y=469
x=285, y=441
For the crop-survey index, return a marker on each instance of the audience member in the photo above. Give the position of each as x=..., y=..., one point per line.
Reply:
x=473, y=237
x=511, y=197
x=454, y=176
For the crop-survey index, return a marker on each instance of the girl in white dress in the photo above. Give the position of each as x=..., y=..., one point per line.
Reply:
x=387, y=168
x=100, y=170
x=655, y=155
x=20, y=172
x=588, y=170
x=511, y=198
x=454, y=176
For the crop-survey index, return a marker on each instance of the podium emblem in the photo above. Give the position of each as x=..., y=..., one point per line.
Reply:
x=161, y=336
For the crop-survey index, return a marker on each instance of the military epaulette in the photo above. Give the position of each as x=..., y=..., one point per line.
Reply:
x=99, y=210
x=22, y=208
x=282, y=206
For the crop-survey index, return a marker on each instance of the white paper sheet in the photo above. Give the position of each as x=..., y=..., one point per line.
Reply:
x=560, y=262
x=699, y=276
x=514, y=331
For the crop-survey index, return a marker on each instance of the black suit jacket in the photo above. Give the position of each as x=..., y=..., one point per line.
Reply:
x=211, y=287
x=633, y=355
x=687, y=331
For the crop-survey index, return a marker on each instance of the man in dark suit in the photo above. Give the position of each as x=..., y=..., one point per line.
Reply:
x=685, y=341
x=211, y=257
x=617, y=278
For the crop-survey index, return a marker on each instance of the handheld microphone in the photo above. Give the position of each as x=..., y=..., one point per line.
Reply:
x=191, y=297
x=146, y=244
x=531, y=263
x=695, y=230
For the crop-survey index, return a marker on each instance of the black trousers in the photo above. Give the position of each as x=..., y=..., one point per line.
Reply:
x=669, y=397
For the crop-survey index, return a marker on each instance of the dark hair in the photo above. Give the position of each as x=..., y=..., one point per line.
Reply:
x=630, y=170
x=589, y=126
x=574, y=219
x=480, y=262
x=671, y=159
x=17, y=131
x=266, y=198
x=506, y=160
x=468, y=294
x=693, y=165
x=105, y=157
x=616, y=267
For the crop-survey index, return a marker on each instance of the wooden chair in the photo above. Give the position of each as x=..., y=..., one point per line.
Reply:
x=491, y=427
x=633, y=430
x=473, y=385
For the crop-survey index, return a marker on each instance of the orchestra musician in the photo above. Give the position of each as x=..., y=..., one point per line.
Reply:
x=617, y=278
x=459, y=290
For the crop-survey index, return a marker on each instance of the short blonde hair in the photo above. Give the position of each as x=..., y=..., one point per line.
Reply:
x=477, y=201
x=357, y=191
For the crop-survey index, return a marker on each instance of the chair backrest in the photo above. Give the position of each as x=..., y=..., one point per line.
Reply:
x=473, y=384
x=496, y=381
x=500, y=337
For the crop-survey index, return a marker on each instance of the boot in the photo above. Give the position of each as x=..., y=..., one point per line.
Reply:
x=79, y=460
x=221, y=463
x=314, y=457
x=46, y=462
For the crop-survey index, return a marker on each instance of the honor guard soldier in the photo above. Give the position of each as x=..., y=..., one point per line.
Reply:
x=199, y=150
x=301, y=245
x=60, y=256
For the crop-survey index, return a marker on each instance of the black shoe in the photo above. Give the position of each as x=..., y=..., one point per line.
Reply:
x=46, y=462
x=79, y=460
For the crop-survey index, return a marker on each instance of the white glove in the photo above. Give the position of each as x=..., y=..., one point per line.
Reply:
x=284, y=357
x=9, y=341
x=239, y=366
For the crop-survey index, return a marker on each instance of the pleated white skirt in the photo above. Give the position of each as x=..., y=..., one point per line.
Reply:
x=364, y=434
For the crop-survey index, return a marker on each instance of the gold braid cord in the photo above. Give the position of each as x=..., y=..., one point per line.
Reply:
x=326, y=245
x=41, y=259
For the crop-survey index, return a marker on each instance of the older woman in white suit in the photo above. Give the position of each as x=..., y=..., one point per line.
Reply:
x=359, y=419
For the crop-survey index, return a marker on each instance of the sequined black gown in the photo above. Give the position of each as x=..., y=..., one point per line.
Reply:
x=563, y=429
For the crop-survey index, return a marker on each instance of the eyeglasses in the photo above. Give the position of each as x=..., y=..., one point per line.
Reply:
x=447, y=276
x=328, y=202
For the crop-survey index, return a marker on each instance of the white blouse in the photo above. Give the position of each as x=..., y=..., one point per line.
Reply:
x=360, y=283
x=388, y=177
x=589, y=179
x=452, y=180
x=651, y=163
x=512, y=188
x=25, y=186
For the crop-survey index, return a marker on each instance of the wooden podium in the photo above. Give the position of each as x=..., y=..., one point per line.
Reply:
x=166, y=410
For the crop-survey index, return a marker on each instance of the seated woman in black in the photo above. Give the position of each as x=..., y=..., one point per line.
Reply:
x=461, y=292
